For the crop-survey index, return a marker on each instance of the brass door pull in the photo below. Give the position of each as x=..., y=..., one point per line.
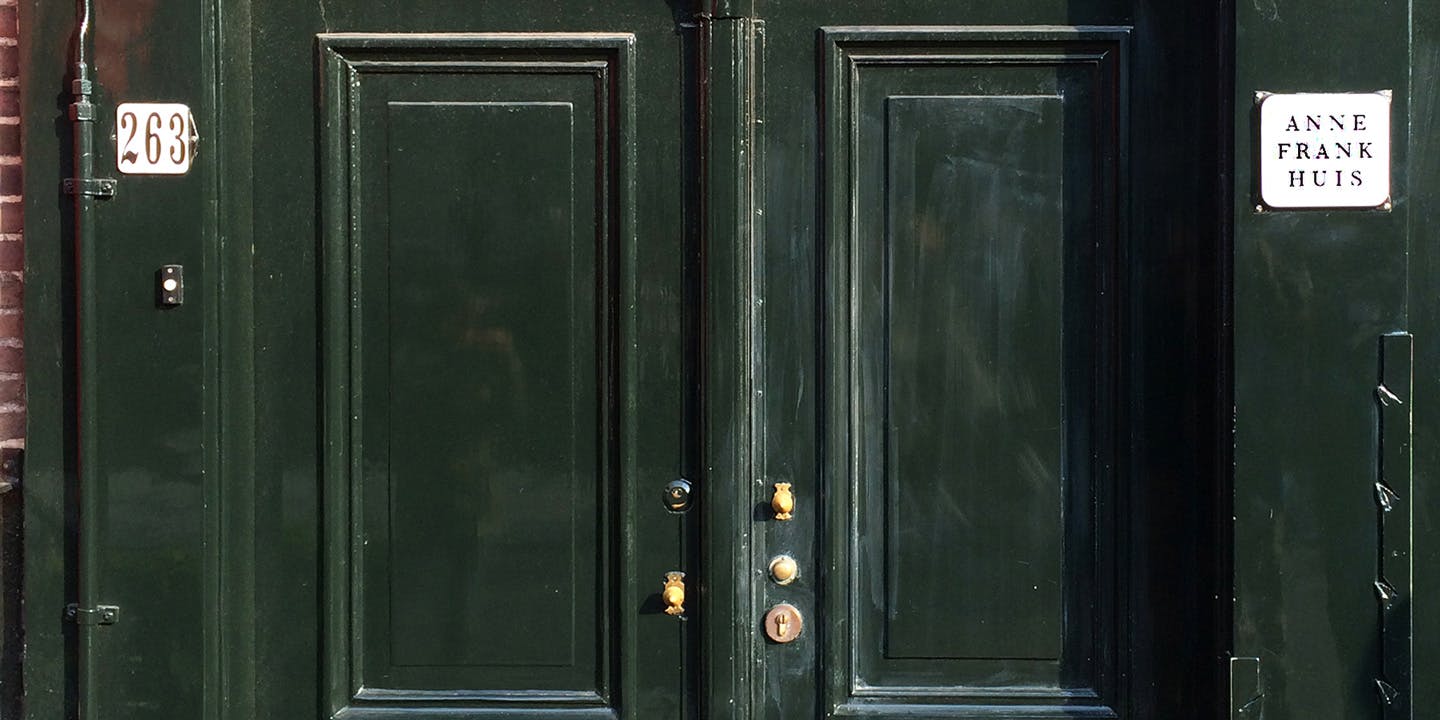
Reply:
x=674, y=593
x=783, y=502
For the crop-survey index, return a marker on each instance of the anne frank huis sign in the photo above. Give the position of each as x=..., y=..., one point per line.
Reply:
x=1324, y=150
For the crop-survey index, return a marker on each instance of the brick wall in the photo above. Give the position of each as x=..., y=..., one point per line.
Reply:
x=12, y=257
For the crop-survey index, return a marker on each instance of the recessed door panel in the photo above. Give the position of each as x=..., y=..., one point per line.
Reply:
x=474, y=196
x=494, y=467
x=972, y=198
x=974, y=417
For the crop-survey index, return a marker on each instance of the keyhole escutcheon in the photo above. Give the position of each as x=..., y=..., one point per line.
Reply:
x=784, y=623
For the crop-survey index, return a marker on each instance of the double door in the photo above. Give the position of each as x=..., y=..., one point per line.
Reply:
x=635, y=359
x=865, y=276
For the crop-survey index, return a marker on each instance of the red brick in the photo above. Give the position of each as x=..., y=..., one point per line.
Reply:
x=12, y=220
x=12, y=424
x=10, y=179
x=12, y=359
x=12, y=391
x=12, y=292
x=12, y=255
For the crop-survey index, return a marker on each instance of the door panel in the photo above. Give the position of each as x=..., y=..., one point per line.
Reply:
x=960, y=465
x=475, y=204
x=489, y=205
x=981, y=369
x=972, y=183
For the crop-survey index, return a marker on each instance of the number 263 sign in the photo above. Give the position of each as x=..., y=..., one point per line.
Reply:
x=154, y=138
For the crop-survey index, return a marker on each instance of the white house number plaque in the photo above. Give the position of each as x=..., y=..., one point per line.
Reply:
x=154, y=138
x=1325, y=150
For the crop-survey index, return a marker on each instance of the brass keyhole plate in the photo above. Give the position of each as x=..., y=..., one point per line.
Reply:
x=784, y=623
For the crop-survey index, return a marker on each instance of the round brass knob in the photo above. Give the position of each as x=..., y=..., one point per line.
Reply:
x=784, y=569
x=783, y=502
x=675, y=597
x=674, y=593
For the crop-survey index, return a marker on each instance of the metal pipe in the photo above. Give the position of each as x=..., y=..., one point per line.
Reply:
x=82, y=116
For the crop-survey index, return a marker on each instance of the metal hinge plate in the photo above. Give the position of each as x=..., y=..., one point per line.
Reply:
x=94, y=187
x=98, y=615
x=1394, y=488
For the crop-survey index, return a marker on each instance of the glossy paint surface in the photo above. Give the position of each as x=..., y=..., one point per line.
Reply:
x=963, y=457
x=484, y=505
x=1015, y=456
x=478, y=346
x=461, y=308
x=965, y=445
x=1314, y=294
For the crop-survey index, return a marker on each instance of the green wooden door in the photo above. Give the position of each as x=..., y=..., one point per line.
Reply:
x=947, y=239
x=987, y=360
x=489, y=204
x=475, y=281
x=1073, y=428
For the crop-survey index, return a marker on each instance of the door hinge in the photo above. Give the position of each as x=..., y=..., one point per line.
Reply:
x=98, y=615
x=1394, y=488
x=94, y=187
x=1247, y=697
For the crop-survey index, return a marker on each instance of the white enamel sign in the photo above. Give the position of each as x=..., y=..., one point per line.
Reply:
x=1325, y=150
x=154, y=138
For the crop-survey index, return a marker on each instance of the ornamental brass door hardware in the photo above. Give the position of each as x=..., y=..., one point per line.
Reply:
x=783, y=502
x=784, y=623
x=783, y=569
x=674, y=593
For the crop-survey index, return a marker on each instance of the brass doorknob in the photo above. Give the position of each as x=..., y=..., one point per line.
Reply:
x=674, y=593
x=783, y=569
x=783, y=501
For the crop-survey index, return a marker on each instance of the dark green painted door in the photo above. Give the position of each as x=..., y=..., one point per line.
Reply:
x=987, y=251
x=470, y=255
x=470, y=281
x=480, y=279
x=956, y=239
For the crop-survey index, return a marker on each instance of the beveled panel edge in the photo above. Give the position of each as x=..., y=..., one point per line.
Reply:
x=1108, y=48
x=978, y=712
x=454, y=713
x=503, y=697
x=938, y=35
x=340, y=66
x=1056, y=696
x=429, y=43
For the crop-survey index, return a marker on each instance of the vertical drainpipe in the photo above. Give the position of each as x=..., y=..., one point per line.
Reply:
x=86, y=190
